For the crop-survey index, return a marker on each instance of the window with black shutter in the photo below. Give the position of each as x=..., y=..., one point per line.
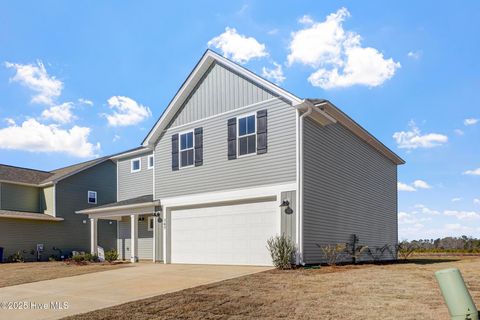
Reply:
x=247, y=135
x=186, y=149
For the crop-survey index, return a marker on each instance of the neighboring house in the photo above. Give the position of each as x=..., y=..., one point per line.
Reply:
x=235, y=160
x=38, y=208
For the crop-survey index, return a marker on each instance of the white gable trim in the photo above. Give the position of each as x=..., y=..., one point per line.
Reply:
x=202, y=66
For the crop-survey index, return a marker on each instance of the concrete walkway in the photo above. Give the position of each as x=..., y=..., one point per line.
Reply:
x=104, y=289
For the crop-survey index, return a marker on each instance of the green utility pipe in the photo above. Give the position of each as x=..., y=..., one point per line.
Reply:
x=456, y=295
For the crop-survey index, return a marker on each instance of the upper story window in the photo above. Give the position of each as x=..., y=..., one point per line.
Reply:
x=92, y=197
x=247, y=135
x=135, y=165
x=186, y=149
x=151, y=163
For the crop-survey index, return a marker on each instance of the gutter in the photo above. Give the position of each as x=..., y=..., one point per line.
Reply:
x=113, y=208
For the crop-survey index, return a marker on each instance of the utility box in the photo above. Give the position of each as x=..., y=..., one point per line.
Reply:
x=456, y=295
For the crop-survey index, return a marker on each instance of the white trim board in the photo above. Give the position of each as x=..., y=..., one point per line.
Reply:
x=230, y=195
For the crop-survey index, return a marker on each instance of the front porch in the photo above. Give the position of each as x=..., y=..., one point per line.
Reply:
x=139, y=228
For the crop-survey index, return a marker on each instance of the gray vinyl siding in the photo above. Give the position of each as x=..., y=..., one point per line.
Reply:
x=72, y=196
x=349, y=188
x=288, y=221
x=71, y=233
x=134, y=184
x=46, y=200
x=145, y=239
x=220, y=90
x=20, y=197
x=219, y=173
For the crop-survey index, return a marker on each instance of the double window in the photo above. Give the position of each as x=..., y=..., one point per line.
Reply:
x=247, y=135
x=92, y=197
x=186, y=149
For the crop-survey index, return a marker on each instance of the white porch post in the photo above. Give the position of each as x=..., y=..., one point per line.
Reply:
x=155, y=228
x=134, y=238
x=93, y=235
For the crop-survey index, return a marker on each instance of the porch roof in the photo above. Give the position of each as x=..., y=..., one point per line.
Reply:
x=27, y=215
x=138, y=202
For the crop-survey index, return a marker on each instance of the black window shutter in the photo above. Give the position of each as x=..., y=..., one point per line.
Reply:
x=198, y=132
x=175, y=152
x=261, y=131
x=232, y=138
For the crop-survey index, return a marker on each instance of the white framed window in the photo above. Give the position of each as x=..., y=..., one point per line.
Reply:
x=150, y=161
x=135, y=165
x=186, y=147
x=247, y=134
x=92, y=197
x=151, y=222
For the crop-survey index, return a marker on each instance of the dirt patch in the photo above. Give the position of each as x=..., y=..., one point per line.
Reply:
x=18, y=273
x=390, y=291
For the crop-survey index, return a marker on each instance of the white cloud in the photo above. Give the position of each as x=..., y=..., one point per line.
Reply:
x=470, y=121
x=415, y=54
x=85, y=101
x=474, y=172
x=411, y=218
x=456, y=199
x=36, y=78
x=462, y=215
x=238, y=47
x=425, y=210
x=337, y=55
x=126, y=112
x=405, y=187
x=35, y=137
x=459, y=132
x=275, y=74
x=458, y=228
x=476, y=201
x=413, y=138
x=116, y=138
x=420, y=184
x=61, y=113
x=10, y=121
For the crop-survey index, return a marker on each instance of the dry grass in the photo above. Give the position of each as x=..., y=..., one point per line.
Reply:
x=396, y=291
x=17, y=273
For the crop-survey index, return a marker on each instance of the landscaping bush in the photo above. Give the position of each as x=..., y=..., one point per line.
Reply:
x=111, y=255
x=332, y=253
x=84, y=258
x=16, y=257
x=282, y=249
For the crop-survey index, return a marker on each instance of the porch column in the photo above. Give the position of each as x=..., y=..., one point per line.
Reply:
x=134, y=238
x=93, y=235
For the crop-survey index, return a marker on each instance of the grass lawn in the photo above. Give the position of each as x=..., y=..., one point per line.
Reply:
x=395, y=291
x=17, y=273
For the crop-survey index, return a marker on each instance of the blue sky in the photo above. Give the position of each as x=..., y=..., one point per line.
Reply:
x=86, y=79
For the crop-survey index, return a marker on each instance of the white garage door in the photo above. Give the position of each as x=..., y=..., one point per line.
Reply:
x=234, y=234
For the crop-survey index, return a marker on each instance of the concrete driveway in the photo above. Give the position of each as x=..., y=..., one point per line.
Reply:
x=57, y=298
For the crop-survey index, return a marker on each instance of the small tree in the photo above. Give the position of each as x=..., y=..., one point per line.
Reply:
x=405, y=249
x=282, y=249
x=332, y=253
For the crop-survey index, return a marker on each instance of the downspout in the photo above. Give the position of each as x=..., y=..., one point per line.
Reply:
x=300, y=178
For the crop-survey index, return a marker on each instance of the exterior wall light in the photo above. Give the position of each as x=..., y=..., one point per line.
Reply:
x=158, y=215
x=286, y=204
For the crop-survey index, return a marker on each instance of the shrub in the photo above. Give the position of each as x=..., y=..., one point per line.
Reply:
x=282, y=249
x=16, y=257
x=332, y=253
x=83, y=258
x=406, y=249
x=111, y=255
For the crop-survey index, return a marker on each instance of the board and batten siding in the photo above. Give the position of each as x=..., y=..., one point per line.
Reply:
x=20, y=198
x=145, y=239
x=134, y=184
x=349, y=188
x=217, y=172
x=220, y=90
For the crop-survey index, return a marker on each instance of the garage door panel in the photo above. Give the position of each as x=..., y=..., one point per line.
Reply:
x=234, y=234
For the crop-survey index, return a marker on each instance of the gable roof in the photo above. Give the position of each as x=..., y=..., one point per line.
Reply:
x=19, y=175
x=208, y=58
x=22, y=175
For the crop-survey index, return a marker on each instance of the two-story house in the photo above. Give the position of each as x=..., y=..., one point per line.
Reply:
x=234, y=160
x=37, y=208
